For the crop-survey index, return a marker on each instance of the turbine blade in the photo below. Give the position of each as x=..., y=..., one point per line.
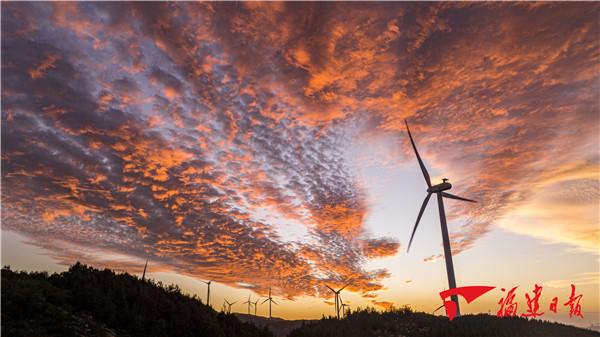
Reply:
x=418, y=219
x=423, y=169
x=452, y=196
x=344, y=287
x=263, y=302
x=438, y=309
x=330, y=288
x=274, y=302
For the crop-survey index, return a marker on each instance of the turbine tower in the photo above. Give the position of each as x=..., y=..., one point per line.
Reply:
x=208, y=292
x=144, y=273
x=270, y=299
x=249, y=303
x=337, y=298
x=439, y=191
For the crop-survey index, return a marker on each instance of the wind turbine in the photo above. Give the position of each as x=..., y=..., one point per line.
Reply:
x=343, y=306
x=337, y=298
x=208, y=292
x=228, y=306
x=144, y=273
x=439, y=191
x=255, y=303
x=270, y=299
x=249, y=303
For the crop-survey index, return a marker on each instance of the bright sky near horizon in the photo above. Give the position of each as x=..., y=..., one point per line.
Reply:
x=262, y=145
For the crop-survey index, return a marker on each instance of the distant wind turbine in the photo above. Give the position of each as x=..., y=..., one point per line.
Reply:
x=337, y=298
x=343, y=306
x=255, y=303
x=208, y=292
x=270, y=299
x=228, y=305
x=439, y=191
x=144, y=273
x=249, y=304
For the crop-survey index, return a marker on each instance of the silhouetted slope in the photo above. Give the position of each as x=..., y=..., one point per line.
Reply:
x=88, y=302
x=367, y=323
x=278, y=326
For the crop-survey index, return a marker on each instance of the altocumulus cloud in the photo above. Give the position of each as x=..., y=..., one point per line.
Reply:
x=193, y=133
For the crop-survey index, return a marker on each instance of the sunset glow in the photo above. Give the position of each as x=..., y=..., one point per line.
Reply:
x=263, y=145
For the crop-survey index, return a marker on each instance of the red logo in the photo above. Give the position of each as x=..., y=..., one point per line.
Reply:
x=468, y=293
x=508, y=305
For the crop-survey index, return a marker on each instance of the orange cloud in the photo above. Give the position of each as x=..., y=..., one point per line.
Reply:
x=381, y=247
x=384, y=304
x=40, y=70
x=220, y=149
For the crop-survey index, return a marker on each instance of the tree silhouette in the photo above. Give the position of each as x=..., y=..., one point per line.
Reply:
x=84, y=301
x=404, y=322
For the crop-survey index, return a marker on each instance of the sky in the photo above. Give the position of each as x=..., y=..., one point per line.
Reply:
x=263, y=145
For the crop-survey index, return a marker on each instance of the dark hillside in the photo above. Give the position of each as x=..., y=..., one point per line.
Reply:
x=278, y=326
x=367, y=323
x=84, y=301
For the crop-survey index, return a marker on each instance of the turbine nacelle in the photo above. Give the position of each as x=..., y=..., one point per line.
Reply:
x=440, y=187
